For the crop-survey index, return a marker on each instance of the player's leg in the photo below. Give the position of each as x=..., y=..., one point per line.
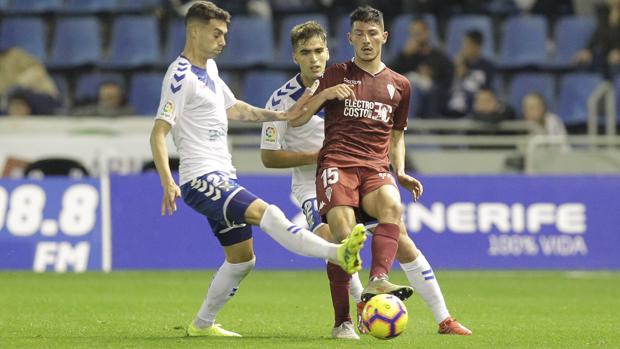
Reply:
x=341, y=219
x=422, y=278
x=301, y=241
x=339, y=281
x=384, y=204
x=211, y=196
x=239, y=262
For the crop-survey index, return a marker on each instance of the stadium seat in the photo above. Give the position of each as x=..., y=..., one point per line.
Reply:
x=259, y=85
x=524, y=42
x=87, y=85
x=138, y=5
x=76, y=42
x=25, y=32
x=399, y=33
x=293, y=6
x=458, y=26
x=284, y=58
x=90, y=6
x=144, y=93
x=571, y=34
x=245, y=51
x=522, y=84
x=134, y=43
x=34, y=6
x=175, y=41
x=575, y=90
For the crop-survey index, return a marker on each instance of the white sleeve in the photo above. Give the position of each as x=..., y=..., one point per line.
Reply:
x=272, y=136
x=174, y=95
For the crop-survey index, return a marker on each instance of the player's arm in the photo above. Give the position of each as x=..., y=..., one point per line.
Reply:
x=397, y=158
x=315, y=103
x=241, y=111
x=160, y=157
x=287, y=159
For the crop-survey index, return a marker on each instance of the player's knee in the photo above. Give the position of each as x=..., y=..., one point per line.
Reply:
x=392, y=211
x=254, y=213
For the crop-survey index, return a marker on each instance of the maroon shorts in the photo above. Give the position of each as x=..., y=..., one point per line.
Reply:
x=347, y=186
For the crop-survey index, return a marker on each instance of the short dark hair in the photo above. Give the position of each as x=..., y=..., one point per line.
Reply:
x=305, y=31
x=475, y=36
x=206, y=11
x=366, y=14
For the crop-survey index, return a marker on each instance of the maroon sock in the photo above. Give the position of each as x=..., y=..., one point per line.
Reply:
x=339, y=282
x=384, y=246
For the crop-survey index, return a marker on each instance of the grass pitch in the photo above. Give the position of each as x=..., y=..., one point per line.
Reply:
x=293, y=310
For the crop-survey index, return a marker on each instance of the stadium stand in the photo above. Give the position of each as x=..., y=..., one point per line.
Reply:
x=285, y=51
x=259, y=85
x=458, y=26
x=34, y=6
x=247, y=51
x=515, y=52
x=175, y=40
x=88, y=84
x=90, y=6
x=399, y=32
x=571, y=34
x=144, y=93
x=76, y=42
x=524, y=83
x=575, y=89
x=25, y=32
x=135, y=42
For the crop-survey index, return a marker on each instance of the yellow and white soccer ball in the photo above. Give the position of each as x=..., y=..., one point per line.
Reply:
x=385, y=316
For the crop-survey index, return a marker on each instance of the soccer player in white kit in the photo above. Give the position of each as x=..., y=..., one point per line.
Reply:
x=196, y=106
x=283, y=146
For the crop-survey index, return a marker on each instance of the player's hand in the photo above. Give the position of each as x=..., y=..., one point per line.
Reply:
x=340, y=92
x=413, y=185
x=168, y=203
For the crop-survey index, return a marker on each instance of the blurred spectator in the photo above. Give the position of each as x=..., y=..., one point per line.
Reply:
x=22, y=73
x=603, y=52
x=488, y=109
x=473, y=72
x=111, y=102
x=429, y=70
x=535, y=110
x=18, y=105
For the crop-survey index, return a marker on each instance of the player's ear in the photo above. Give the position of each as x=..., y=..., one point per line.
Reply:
x=349, y=38
x=385, y=36
x=327, y=51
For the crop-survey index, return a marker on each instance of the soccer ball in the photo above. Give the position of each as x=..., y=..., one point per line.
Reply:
x=385, y=316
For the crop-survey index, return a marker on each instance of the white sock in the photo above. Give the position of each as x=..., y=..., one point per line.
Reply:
x=224, y=285
x=294, y=238
x=422, y=279
x=356, y=288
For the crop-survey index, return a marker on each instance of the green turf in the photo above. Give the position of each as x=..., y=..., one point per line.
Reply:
x=293, y=310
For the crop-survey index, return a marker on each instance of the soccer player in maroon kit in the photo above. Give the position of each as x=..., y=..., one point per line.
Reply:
x=366, y=106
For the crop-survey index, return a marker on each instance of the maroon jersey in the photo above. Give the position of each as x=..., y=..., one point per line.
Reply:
x=357, y=132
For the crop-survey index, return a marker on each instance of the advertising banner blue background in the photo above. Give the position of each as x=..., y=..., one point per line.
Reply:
x=478, y=222
x=56, y=224
x=588, y=205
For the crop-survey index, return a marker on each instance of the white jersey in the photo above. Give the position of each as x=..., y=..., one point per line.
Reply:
x=278, y=135
x=194, y=102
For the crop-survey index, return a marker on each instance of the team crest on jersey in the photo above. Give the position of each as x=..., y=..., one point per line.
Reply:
x=271, y=134
x=391, y=90
x=328, y=193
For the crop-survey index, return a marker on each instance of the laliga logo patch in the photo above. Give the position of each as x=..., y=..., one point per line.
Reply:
x=168, y=107
x=328, y=193
x=270, y=134
x=391, y=90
